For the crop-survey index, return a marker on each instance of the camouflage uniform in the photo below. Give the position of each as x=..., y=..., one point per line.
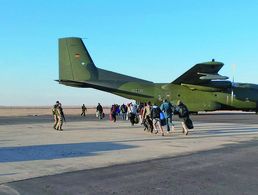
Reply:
x=54, y=112
x=60, y=117
x=84, y=109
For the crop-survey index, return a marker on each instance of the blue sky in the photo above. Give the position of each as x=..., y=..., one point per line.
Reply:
x=156, y=40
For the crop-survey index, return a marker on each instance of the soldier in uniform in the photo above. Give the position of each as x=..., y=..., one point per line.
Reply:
x=60, y=117
x=84, y=109
x=54, y=112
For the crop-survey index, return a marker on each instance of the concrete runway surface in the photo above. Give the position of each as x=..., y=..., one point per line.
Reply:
x=219, y=156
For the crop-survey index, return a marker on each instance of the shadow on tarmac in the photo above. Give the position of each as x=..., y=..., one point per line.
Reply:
x=57, y=151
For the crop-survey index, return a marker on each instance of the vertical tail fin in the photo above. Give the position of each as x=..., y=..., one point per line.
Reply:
x=75, y=63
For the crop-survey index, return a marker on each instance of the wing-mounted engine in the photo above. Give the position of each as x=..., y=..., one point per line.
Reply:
x=206, y=76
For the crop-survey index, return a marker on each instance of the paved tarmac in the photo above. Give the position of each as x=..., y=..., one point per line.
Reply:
x=100, y=157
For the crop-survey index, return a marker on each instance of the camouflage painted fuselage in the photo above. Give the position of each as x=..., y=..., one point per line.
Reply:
x=198, y=88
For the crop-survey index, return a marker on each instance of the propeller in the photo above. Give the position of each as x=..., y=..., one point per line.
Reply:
x=233, y=84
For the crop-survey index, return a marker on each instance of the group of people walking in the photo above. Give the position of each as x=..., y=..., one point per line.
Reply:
x=154, y=118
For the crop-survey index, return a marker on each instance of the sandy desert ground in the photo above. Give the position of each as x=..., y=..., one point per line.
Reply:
x=37, y=111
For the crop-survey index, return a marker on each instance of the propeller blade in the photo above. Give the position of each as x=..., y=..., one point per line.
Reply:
x=233, y=82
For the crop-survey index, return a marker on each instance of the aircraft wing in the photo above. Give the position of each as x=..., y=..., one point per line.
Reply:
x=201, y=73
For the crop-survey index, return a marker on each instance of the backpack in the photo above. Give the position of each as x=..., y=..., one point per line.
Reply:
x=156, y=112
x=169, y=109
x=183, y=111
x=123, y=108
x=53, y=111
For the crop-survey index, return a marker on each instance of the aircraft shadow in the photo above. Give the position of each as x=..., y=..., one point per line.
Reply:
x=57, y=151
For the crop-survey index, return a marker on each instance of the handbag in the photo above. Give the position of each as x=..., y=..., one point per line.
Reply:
x=161, y=115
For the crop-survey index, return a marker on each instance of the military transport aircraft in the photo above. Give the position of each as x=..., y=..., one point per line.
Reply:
x=201, y=88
